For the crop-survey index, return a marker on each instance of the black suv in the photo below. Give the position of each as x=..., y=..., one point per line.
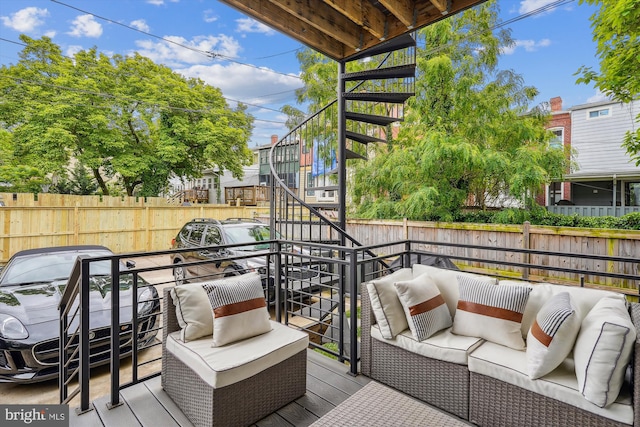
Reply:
x=202, y=233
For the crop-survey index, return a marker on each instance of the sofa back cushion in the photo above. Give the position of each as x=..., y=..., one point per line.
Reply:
x=583, y=299
x=491, y=312
x=193, y=311
x=386, y=305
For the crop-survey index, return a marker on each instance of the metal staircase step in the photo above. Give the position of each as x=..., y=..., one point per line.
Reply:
x=392, y=97
x=361, y=138
x=320, y=205
x=369, y=118
x=353, y=155
x=401, y=42
x=324, y=188
x=401, y=71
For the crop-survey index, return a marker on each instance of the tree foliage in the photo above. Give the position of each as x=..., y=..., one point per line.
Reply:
x=616, y=31
x=467, y=135
x=132, y=122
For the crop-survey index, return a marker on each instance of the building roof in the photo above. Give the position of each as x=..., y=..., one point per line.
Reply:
x=342, y=29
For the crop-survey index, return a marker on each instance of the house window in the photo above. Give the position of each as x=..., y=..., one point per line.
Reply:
x=558, y=138
x=310, y=185
x=555, y=193
x=601, y=112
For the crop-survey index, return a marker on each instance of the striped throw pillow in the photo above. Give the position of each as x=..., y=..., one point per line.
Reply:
x=239, y=309
x=487, y=310
x=424, y=306
x=552, y=335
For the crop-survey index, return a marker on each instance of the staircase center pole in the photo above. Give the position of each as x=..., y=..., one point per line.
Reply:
x=342, y=153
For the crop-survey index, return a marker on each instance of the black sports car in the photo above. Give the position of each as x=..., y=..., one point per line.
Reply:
x=31, y=285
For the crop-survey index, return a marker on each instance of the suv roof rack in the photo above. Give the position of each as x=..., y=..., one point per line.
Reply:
x=244, y=220
x=215, y=221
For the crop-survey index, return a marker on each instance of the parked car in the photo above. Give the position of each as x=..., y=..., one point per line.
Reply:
x=202, y=234
x=31, y=285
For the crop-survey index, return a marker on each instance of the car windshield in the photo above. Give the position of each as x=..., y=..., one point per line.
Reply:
x=47, y=267
x=249, y=234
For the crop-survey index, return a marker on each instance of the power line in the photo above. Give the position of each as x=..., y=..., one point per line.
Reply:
x=206, y=53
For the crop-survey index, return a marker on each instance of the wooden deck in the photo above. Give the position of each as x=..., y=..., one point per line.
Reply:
x=146, y=404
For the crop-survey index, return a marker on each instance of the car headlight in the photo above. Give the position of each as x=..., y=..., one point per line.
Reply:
x=145, y=300
x=12, y=328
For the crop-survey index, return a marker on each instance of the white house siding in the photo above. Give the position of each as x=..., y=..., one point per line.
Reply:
x=598, y=141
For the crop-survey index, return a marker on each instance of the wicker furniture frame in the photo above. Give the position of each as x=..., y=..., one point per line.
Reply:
x=242, y=403
x=480, y=399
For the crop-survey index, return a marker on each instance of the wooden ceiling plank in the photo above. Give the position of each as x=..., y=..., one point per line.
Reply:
x=403, y=10
x=441, y=5
x=362, y=13
x=324, y=18
x=278, y=19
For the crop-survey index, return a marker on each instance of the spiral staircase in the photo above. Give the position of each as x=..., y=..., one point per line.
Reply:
x=309, y=165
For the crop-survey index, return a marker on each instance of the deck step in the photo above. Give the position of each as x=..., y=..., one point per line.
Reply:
x=353, y=155
x=370, y=118
x=400, y=71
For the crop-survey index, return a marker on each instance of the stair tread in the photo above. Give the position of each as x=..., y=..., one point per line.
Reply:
x=397, y=43
x=324, y=188
x=391, y=97
x=400, y=71
x=362, y=138
x=353, y=155
x=370, y=118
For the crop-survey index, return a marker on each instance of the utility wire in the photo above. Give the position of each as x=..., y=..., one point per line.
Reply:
x=209, y=54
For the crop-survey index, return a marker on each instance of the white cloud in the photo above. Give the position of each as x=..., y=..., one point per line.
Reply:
x=248, y=25
x=174, y=54
x=72, y=50
x=25, y=20
x=210, y=16
x=156, y=2
x=51, y=33
x=527, y=45
x=140, y=24
x=85, y=25
x=244, y=83
x=599, y=96
x=527, y=6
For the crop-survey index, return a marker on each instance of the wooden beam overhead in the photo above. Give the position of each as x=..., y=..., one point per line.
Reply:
x=342, y=28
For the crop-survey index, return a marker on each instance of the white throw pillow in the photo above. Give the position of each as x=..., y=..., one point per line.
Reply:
x=552, y=335
x=386, y=305
x=603, y=350
x=193, y=311
x=239, y=308
x=491, y=312
x=424, y=307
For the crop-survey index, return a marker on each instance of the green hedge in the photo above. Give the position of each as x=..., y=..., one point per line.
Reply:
x=543, y=217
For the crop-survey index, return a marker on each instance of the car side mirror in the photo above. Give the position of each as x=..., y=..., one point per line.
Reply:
x=130, y=264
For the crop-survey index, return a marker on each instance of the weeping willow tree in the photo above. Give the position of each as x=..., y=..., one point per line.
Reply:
x=468, y=136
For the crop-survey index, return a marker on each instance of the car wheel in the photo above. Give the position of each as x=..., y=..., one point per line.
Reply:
x=179, y=274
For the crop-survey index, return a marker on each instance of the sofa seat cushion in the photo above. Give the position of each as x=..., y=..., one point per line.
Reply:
x=509, y=365
x=222, y=366
x=443, y=345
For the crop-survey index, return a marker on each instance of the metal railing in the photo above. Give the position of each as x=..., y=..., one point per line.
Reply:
x=302, y=286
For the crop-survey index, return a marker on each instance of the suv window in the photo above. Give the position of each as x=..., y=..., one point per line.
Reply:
x=212, y=236
x=195, y=237
x=247, y=234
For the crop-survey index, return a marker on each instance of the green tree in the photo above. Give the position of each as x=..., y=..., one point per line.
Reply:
x=616, y=31
x=130, y=121
x=467, y=135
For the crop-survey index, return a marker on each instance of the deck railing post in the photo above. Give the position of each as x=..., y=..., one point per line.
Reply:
x=84, y=337
x=115, y=334
x=353, y=306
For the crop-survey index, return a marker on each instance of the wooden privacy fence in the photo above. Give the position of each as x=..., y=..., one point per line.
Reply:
x=121, y=229
x=563, y=240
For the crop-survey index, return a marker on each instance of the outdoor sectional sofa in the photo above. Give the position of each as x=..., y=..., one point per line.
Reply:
x=490, y=383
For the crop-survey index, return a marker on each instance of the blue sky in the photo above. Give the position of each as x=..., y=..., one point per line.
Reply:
x=257, y=65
